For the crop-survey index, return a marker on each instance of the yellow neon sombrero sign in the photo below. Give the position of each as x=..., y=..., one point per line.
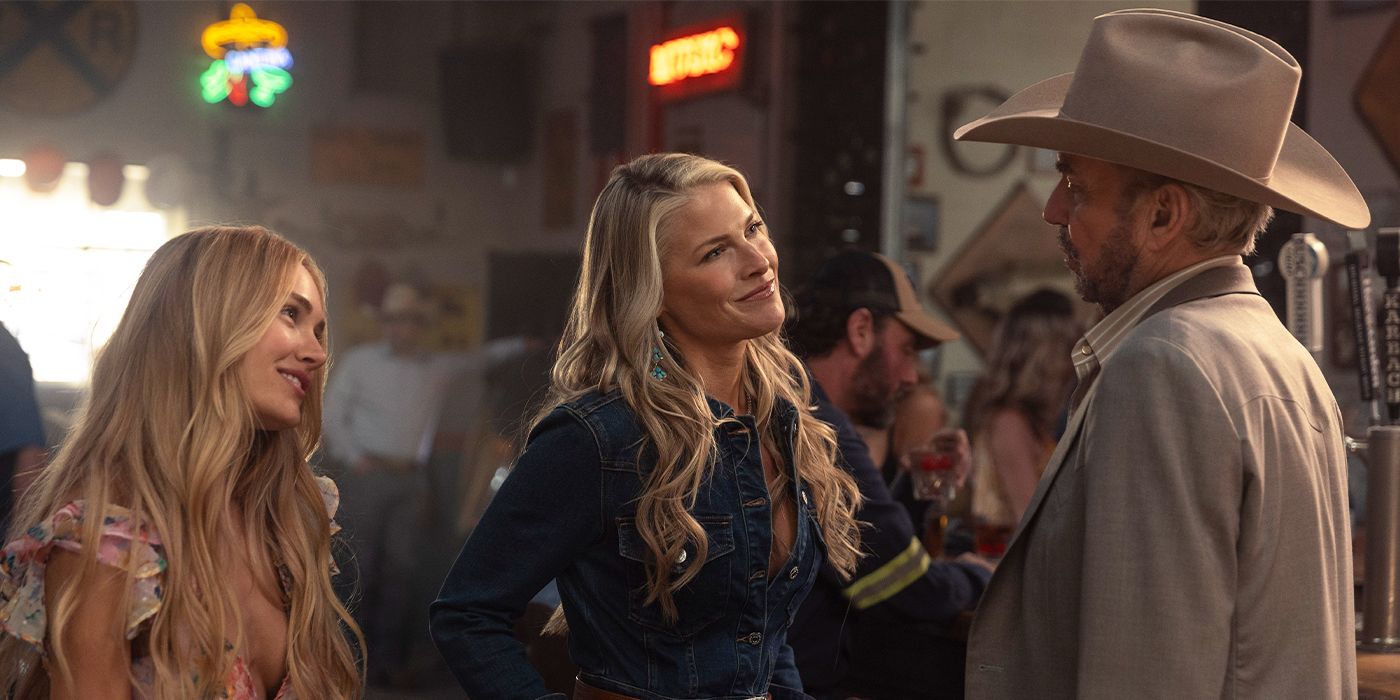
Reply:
x=250, y=59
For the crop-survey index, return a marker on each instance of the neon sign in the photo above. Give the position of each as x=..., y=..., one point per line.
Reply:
x=698, y=59
x=693, y=56
x=250, y=60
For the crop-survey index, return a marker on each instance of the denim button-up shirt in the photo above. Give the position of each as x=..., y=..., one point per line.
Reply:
x=568, y=512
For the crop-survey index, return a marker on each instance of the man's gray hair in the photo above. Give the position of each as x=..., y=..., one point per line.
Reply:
x=1220, y=222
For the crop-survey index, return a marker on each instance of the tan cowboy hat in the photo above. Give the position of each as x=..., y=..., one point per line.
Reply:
x=1186, y=97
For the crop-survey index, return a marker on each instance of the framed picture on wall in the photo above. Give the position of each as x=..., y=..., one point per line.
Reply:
x=921, y=223
x=1376, y=99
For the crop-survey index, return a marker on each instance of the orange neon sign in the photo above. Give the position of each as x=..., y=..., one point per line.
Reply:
x=693, y=56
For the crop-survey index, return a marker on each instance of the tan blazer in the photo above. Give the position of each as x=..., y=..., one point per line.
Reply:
x=1189, y=538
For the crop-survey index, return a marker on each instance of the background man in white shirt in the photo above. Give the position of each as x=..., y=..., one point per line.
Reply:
x=381, y=412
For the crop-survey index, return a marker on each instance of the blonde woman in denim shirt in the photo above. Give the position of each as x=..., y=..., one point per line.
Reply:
x=677, y=486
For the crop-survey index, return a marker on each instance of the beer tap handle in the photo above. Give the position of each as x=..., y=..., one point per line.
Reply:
x=1388, y=265
x=1363, y=319
x=1303, y=262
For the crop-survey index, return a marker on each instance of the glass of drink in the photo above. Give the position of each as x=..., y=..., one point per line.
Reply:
x=991, y=539
x=932, y=476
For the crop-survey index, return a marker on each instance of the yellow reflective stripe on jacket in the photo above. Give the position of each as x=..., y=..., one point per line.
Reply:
x=896, y=575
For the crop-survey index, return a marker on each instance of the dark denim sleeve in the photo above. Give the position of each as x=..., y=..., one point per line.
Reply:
x=20, y=422
x=544, y=515
x=889, y=540
x=786, y=684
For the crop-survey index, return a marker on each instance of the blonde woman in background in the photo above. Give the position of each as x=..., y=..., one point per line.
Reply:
x=677, y=486
x=178, y=546
x=1015, y=410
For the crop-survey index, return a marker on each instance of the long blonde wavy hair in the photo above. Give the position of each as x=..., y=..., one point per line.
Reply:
x=1028, y=364
x=168, y=432
x=608, y=343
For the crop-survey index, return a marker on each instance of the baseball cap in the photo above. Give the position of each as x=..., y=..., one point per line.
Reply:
x=857, y=279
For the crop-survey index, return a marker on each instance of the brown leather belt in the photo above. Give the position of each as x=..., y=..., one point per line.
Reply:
x=584, y=691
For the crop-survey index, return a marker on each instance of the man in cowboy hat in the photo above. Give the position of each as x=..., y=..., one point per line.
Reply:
x=1189, y=538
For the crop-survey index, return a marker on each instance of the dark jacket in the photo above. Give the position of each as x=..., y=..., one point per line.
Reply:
x=567, y=512
x=896, y=576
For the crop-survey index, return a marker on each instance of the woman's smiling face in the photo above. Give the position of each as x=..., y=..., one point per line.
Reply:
x=719, y=271
x=278, y=371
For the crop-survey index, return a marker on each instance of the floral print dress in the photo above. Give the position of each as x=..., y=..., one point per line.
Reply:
x=23, y=561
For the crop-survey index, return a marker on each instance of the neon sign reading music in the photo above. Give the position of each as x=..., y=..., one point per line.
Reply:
x=250, y=60
x=706, y=53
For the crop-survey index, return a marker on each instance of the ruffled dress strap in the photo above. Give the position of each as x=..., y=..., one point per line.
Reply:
x=123, y=543
x=330, y=495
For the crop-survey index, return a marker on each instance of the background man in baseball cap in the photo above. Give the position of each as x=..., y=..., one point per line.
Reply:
x=859, y=326
x=1189, y=537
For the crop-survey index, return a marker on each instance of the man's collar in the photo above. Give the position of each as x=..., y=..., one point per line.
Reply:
x=1101, y=340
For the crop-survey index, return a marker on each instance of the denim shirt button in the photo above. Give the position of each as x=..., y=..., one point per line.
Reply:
x=755, y=638
x=681, y=559
x=793, y=573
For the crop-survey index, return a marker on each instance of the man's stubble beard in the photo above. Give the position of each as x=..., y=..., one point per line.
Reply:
x=873, y=398
x=1109, y=282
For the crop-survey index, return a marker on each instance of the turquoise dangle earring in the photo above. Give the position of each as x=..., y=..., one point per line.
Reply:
x=657, y=372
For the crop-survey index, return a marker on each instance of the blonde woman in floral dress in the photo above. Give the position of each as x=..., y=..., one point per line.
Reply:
x=179, y=545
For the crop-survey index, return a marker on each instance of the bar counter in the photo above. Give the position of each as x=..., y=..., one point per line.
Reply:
x=1378, y=675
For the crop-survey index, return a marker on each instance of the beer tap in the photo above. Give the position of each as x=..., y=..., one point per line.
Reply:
x=1363, y=319
x=1380, y=623
x=1303, y=262
x=1388, y=265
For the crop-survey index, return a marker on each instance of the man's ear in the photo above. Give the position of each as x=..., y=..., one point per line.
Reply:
x=1169, y=214
x=860, y=332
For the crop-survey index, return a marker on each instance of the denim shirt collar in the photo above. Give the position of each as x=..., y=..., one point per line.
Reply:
x=783, y=410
